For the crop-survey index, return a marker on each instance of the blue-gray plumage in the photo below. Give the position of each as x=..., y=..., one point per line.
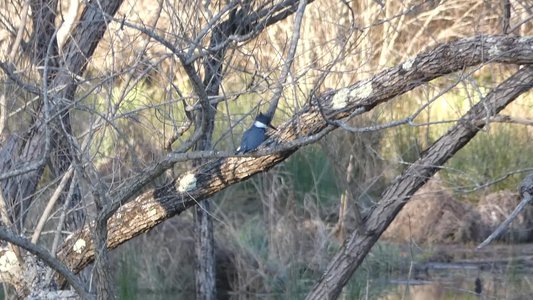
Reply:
x=255, y=135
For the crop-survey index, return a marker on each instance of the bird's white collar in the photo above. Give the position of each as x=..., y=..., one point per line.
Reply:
x=259, y=124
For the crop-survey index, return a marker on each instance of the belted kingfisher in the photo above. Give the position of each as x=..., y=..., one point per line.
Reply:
x=255, y=135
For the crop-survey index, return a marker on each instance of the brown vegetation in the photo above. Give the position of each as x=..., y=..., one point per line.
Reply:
x=494, y=208
x=433, y=216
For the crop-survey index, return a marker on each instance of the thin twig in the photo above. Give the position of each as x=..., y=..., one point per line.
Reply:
x=511, y=120
x=20, y=31
x=55, y=243
x=50, y=205
x=3, y=114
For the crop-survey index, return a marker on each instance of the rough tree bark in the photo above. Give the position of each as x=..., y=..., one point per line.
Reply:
x=237, y=23
x=152, y=207
x=19, y=190
x=204, y=239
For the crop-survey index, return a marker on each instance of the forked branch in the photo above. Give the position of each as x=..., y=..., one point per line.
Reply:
x=154, y=206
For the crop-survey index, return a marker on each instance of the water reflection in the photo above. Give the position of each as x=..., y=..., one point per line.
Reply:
x=464, y=282
x=435, y=290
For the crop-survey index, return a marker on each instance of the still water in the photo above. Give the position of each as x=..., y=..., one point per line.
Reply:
x=499, y=279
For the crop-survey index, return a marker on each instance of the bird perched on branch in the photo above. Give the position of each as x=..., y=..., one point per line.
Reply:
x=255, y=135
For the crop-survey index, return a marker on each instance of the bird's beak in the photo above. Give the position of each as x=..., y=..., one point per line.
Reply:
x=270, y=125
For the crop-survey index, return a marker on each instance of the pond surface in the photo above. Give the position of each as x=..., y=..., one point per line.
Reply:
x=496, y=272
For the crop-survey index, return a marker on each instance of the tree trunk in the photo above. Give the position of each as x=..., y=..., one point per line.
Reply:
x=205, y=253
x=205, y=243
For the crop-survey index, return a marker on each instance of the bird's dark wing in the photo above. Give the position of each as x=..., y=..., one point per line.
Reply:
x=244, y=141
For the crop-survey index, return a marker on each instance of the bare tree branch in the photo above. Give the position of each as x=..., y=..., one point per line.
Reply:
x=511, y=120
x=506, y=18
x=355, y=247
x=503, y=226
x=44, y=255
x=50, y=205
x=278, y=89
x=20, y=31
x=150, y=208
x=526, y=193
x=444, y=59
